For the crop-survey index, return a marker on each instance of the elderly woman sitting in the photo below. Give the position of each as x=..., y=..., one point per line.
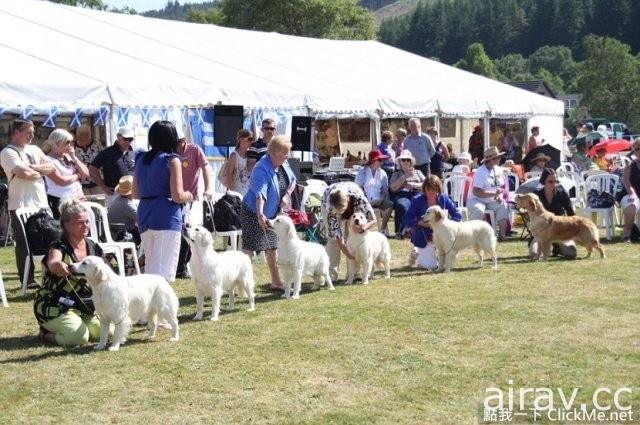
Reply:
x=405, y=184
x=375, y=184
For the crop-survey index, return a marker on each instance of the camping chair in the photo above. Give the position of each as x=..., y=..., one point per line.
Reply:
x=100, y=232
x=311, y=204
x=602, y=183
x=23, y=214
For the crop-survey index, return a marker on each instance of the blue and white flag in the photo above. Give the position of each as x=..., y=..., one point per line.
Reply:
x=101, y=116
x=164, y=113
x=123, y=117
x=183, y=112
x=76, y=119
x=27, y=112
x=1, y=111
x=51, y=118
x=145, y=112
x=200, y=115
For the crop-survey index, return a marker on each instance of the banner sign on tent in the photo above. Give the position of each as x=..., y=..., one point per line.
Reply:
x=101, y=115
x=27, y=113
x=201, y=122
x=51, y=118
x=76, y=119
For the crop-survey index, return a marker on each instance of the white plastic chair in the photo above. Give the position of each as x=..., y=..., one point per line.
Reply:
x=532, y=175
x=603, y=183
x=454, y=186
x=107, y=244
x=3, y=293
x=23, y=214
x=586, y=173
x=566, y=166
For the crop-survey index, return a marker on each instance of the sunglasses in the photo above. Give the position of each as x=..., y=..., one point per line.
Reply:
x=552, y=181
x=128, y=139
x=269, y=128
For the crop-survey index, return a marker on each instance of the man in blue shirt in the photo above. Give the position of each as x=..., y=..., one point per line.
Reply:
x=420, y=146
x=259, y=148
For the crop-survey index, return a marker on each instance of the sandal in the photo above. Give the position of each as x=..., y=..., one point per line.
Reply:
x=502, y=239
x=276, y=287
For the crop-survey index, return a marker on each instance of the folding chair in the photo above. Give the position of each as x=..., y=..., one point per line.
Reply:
x=602, y=183
x=311, y=202
x=23, y=214
x=102, y=235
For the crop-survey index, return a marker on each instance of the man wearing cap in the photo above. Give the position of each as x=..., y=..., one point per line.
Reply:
x=487, y=191
x=115, y=161
x=420, y=145
x=193, y=161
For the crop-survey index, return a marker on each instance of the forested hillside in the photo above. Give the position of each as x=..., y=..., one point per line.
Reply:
x=443, y=29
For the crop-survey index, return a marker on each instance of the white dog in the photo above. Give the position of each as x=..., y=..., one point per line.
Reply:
x=214, y=274
x=125, y=300
x=451, y=237
x=297, y=258
x=368, y=248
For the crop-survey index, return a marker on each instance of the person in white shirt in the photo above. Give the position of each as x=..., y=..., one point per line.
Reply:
x=375, y=184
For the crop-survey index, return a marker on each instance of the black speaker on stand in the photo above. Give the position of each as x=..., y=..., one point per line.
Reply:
x=301, y=134
x=227, y=120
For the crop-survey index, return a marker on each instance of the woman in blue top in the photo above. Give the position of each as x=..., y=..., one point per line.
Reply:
x=157, y=182
x=424, y=252
x=272, y=182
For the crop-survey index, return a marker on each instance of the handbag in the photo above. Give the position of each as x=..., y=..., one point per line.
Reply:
x=599, y=199
x=228, y=180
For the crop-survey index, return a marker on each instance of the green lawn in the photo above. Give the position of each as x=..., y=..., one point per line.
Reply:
x=419, y=348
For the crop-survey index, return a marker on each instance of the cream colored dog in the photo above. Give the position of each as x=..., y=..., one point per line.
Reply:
x=214, y=274
x=125, y=300
x=368, y=248
x=547, y=227
x=297, y=258
x=451, y=237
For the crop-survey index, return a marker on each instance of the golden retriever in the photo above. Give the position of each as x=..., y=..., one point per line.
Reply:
x=547, y=227
x=368, y=248
x=450, y=237
x=297, y=258
x=124, y=300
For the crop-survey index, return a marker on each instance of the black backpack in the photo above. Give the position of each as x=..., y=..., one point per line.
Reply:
x=42, y=229
x=226, y=214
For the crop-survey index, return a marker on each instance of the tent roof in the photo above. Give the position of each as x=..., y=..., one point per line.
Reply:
x=68, y=56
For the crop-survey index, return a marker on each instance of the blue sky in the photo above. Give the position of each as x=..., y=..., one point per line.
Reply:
x=144, y=5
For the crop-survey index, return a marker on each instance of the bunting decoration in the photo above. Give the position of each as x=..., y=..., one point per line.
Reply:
x=163, y=113
x=123, y=117
x=183, y=112
x=145, y=112
x=27, y=113
x=101, y=116
x=200, y=115
x=76, y=119
x=51, y=118
x=1, y=111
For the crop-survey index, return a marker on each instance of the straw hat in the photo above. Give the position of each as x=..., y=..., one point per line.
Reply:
x=405, y=154
x=491, y=153
x=376, y=155
x=540, y=156
x=124, y=185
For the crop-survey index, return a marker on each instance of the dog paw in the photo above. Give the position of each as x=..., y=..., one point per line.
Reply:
x=229, y=308
x=215, y=319
x=174, y=339
x=349, y=282
x=251, y=309
x=99, y=347
x=365, y=282
x=114, y=348
x=295, y=297
x=197, y=317
x=331, y=288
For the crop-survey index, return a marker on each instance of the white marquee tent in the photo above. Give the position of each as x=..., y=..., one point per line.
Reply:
x=69, y=57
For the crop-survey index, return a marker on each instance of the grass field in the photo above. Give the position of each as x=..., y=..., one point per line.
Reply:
x=419, y=348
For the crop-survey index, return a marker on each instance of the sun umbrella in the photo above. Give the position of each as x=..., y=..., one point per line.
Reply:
x=610, y=146
x=584, y=138
x=549, y=151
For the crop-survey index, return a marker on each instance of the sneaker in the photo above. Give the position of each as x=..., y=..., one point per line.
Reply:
x=183, y=275
x=385, y=232
x=399, y=236
x=413, y=258
x=626, y=239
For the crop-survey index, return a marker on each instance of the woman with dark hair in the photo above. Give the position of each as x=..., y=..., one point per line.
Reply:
x=555, y=200
x=157, y=182
x=64, y=318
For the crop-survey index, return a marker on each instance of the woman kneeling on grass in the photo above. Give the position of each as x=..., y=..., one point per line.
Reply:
x=62, y=306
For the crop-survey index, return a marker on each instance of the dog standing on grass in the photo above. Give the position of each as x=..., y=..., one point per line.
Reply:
x=125, y=300
x=297, y=258
x=214, y=274
x=547, y=227
x=451, y=237
x=369, y=249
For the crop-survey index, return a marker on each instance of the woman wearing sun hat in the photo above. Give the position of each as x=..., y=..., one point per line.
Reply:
x=405, y=184
x=464, y=163
x=539, y=162
x=487, y=191
x=375, y=185
x=122, y=209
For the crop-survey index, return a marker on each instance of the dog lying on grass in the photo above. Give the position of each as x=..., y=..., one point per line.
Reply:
x=547, y=227
x=451, y=237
